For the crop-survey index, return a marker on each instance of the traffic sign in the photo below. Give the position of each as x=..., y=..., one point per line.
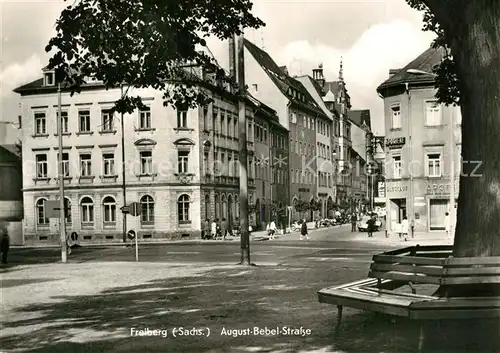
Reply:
x=131, y=234
x=125, y=209
x=135, y=209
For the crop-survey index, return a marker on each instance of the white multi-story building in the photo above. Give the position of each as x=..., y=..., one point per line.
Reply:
x=174, y=159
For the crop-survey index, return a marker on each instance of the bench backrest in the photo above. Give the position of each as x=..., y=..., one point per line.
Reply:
x=428, y=270
x=471, y=270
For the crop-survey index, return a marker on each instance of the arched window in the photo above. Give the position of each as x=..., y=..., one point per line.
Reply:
x=87, y=211
x=109, y=209
x=148, y=209
x=207, y=206
x=41, y=217
x=183, y=209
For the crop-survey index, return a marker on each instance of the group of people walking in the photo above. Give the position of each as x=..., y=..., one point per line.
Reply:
x=216, y=229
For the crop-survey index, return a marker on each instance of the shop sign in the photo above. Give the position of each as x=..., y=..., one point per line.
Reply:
x=396, y=187
x=440, y=188
x=396, y=141
x=381, y=189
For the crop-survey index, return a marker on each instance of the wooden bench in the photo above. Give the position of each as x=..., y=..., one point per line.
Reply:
x=419, y=265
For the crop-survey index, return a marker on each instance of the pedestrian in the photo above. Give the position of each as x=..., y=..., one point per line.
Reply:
x=354, y=219
x=223, y=228
x=404, y=228
x=272, y=229
x=447, y=223
x=4, y=241
x=214, y=229
x=206, y=230
x=412, y=226
x=370, y=226
x=303, y=230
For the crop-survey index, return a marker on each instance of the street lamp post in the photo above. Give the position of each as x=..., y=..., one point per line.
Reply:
x=62, y=204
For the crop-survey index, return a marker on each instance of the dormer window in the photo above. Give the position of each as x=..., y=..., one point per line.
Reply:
x=49, y=79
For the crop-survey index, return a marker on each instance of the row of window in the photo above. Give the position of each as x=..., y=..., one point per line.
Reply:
x=433, y=166
x=108, y=164
x=324, y=151
x=309, y=178
x=107, y=121
x=109, y=208
x=433, y=114
x=307, y=122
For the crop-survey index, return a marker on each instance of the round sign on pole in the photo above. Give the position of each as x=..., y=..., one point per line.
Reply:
x=135, y=209
x=131, y=234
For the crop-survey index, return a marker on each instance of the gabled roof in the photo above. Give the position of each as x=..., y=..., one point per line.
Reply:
x=315, y=90
x=286, y=84
x=425, y=62
x=360, y=117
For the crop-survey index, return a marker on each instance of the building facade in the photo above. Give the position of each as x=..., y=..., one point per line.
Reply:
x=179, y=164
x=423, y=142
x=297, y=112
x=11, y=183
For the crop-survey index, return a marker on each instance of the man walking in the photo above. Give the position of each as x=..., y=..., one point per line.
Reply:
x=370, y=226
x=303, y=230
x=4, y=241
x=354, y=220
x=223, y=228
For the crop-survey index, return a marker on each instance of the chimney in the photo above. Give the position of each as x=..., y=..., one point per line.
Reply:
x=392, y=72
x=232, y=57
x=318, y=75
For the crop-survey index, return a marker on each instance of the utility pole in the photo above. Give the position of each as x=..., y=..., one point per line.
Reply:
x=452, y=173
x=123, y=173
x=62, y=203
x=243, y=154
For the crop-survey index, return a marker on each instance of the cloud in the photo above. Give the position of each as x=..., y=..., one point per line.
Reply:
x=366, y=63
x=17, y=74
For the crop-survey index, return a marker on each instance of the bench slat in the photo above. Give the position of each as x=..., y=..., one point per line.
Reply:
x=400, y=276
x=471, y=280
x=453, y=314
x=471, y=271
x=460, y=261
x=458, y=302
x=426, y=270
x=408, y=260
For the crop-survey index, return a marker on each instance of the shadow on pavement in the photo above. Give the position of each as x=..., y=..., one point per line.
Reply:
x=230, y=299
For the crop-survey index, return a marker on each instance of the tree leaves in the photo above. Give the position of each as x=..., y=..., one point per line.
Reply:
x=144, y=43
x=446, y=79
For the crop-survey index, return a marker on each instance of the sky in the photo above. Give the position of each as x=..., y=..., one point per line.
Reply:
x=371, y=36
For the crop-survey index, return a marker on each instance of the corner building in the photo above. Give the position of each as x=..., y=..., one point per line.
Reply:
x=423, y=137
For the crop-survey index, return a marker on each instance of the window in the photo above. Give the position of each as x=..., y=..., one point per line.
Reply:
x=85, y=165
x=87, y=211
x=146, y=158
x=206, y=164
x=229, y=127
x=84, y=119
x=42, y=219
x=182, y=161
x=67, y=206
x=432, y=113
x=107, y=120
x=434, y=164
x=147, y=209
x=145, y=118
x=64, y=122
x=205, y=118
x=40, y=124
x=182, y=117
x=65, y=163
x=183, y=209
x=396, y=117
x=41, y=166
x=230, y=165
x=49, y=79
x=108, y=161
x=398, y=167
x=109, y=209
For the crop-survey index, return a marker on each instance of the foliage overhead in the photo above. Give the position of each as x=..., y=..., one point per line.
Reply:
x=446, y=79
x=144, y=43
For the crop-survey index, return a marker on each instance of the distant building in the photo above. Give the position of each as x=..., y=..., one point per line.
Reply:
x=298, y=113
x=11, y=195
x=418, y=144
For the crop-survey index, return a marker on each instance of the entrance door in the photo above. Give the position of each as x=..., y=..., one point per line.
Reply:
x=397, y=213
x=437, y=212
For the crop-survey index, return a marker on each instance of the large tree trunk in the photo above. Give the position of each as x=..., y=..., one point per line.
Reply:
x=472, y=31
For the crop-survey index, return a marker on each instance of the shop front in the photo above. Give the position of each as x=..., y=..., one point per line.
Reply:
x=437, y=195
x=397, y=193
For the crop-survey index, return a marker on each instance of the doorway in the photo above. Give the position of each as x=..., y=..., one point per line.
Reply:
x=397, y=212
x=437, y=212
